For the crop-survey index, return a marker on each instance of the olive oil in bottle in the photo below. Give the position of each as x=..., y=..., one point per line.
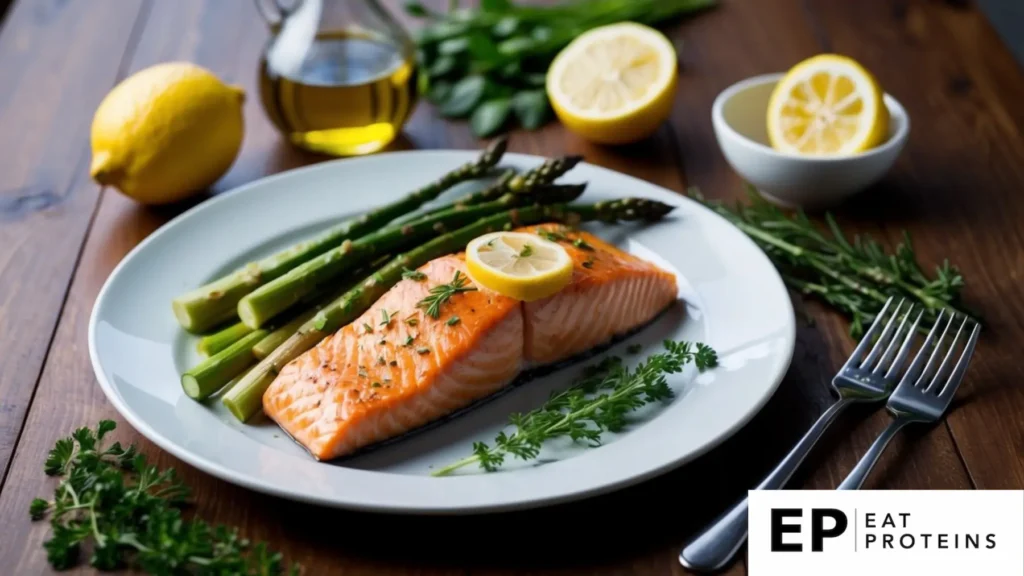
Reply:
x=349, y=93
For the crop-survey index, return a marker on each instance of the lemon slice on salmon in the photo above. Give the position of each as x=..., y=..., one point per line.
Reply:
x=518, y=265
x=827, y=105
x=614, y=84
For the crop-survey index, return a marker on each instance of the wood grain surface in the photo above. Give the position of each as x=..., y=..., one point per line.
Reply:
x=956, y=189
x=47, y=95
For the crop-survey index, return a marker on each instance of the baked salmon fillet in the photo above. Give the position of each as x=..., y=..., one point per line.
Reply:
x=611, y=292
x=397, y=367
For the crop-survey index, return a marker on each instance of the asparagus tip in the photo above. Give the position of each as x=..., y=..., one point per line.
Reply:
x=554, y=193
x=653, y=209
x=632, y=208
x=495, y=150
x=560, y=166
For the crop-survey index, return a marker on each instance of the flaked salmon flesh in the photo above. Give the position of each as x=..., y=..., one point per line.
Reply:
x=396, y=368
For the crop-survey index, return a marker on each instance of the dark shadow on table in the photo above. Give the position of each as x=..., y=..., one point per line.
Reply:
x=4, y=5
x=900, y=200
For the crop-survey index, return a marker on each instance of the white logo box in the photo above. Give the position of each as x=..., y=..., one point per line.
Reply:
x=886, y=532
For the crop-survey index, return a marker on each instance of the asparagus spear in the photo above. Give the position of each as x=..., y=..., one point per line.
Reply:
x=510, y=181
x=485, y=194
x=210, y=375
x=213, y=343
x=269, y=300
x=216, y=302
x=245, y=398
x=238, y=378
x=547, y=172
x=282, y=332
x=305, y=309
x=271, y=341
x=526, y=182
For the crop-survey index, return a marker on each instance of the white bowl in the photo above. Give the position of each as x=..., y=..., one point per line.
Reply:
x=738, y=116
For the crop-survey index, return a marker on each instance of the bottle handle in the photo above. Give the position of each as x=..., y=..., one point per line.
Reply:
x=274, y=12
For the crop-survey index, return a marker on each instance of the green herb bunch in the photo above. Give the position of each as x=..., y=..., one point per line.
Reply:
x=490, y=63
x=854, y=277
x=128, y=513
x=596, y=403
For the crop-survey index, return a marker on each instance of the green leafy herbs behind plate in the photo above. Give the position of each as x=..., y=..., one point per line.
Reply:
x=489, y=63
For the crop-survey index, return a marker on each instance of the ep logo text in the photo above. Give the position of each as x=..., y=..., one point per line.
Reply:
x=789, y=521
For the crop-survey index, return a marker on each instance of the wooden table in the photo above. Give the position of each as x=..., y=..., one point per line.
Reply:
x=958, y=189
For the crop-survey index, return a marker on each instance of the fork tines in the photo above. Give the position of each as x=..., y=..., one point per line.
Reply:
x=889, y=340
x=886, y=344
x=941, y=378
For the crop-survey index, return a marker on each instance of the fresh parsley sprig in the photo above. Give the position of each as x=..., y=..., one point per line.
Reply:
x=110, y=500
x=442, y=293
x=596, y=403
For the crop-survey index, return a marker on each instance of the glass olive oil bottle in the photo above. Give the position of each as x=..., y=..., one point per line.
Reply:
x=343, y=85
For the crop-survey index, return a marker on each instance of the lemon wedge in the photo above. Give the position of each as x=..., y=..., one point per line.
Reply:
x=519, y=265
x=614, y=84
x=827, y=105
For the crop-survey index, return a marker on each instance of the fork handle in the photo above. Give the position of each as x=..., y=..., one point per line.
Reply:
x=718, y=543
x=855, y=479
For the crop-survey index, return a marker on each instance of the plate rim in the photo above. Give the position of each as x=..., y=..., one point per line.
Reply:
x=226, y=474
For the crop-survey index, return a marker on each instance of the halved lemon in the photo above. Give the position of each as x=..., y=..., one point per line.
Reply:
x=614, y=84
x=519, y=265
x=827, y=105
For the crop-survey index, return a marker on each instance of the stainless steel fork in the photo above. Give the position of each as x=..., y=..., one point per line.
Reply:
x=922, y=396
x=869, y=375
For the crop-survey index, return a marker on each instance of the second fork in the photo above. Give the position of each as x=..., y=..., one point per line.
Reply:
x=869, y=375
x=924, y=392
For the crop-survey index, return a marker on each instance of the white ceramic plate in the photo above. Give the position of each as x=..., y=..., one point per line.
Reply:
x=730, y=298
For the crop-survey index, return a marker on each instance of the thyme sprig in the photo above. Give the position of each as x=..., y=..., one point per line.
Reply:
x=127, y=512
x=596, y=403
x=856, y=276
x=442, y=293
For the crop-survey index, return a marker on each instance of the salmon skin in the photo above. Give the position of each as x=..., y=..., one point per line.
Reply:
x=397, y=368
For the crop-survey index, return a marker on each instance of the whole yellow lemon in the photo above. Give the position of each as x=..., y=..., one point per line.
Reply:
x=166, y=132
x=614, y=84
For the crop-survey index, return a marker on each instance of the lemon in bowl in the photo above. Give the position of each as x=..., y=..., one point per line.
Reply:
x=818, y=163
x=614, y=84
x=166, y=133
x=827, y=105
